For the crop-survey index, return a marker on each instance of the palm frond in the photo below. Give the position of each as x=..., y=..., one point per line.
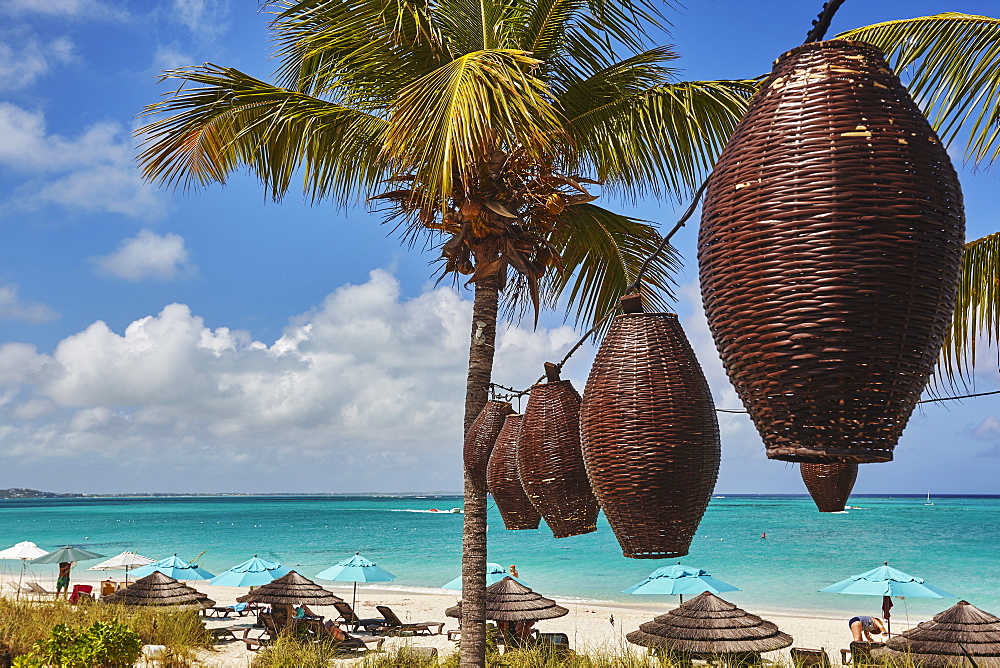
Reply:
x=367, y=48
x=951, y=63
x=977, y=309
x=232, y=120
x=545, y=26
x=601, y=253
x=443, y=125
x=663, y=141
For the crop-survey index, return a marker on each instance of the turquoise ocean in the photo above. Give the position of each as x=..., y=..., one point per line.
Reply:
x=954, y=543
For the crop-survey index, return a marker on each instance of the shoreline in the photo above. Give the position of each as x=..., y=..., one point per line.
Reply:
x=590, y=625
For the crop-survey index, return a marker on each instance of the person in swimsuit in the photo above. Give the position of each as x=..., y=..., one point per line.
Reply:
x=62, y=582
x=864, y=627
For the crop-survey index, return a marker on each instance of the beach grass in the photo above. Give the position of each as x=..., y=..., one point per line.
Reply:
x=22, y=623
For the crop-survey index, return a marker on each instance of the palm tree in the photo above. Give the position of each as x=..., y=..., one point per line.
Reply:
x=484, y=127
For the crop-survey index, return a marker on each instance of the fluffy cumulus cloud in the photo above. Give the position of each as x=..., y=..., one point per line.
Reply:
x=147, y=256
x=88, y=9
x=24, y=58
x=357, y=394
x=12, y=307
x=91, y=172
x=204, y=18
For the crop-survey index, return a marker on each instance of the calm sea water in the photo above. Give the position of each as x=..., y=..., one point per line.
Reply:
x=953, y=544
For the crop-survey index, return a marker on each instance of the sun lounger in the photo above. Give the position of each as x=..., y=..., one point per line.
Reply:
x=809, y=658
x=317, y=631
x=81, y=594
x=272, y=626
x=393, y=624
x=350, y=619
x=38, y=589
x=241, y=609
x=860, y=653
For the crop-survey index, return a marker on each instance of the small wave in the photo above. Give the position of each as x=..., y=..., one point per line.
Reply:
x=432, y=512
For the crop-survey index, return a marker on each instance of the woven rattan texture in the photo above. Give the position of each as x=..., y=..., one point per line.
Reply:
x=482, y=436
x=829, y=254
x=962, y=635
x=829, y=485
x=550, y=462
x=650, y=435
x=504, y=482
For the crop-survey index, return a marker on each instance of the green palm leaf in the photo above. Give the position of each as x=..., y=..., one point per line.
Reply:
x=952, y=63
x=444, y=123
x=602, y=252
x=232, y=120
x=977, y=310
x=660, y=141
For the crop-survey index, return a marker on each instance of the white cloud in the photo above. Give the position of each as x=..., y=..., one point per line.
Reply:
x=24, y=58
x=12, y=308
x=170, y=58
x=988, y=429
x=367, y=379
x=89, y=9
x=202, y=17
x=147, y=255
x=92, y=172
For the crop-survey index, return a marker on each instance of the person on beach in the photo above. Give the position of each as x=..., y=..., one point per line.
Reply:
x=513, y=571
x=62, y=582
x=863, y=627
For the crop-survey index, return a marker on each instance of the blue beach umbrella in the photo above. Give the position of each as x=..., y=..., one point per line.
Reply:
x=251, y=573
x=173, y=567
x=886, y=581
x=494, y=574
x=356, y=569
x=678, y=580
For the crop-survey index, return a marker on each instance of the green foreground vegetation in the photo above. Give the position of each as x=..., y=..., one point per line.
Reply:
x=26, y=627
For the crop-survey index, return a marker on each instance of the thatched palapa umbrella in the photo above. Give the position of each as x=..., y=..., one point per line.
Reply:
x=708, y=626
x=962, y=635
x=510, y=601
x=291, y=589
x=159, y=589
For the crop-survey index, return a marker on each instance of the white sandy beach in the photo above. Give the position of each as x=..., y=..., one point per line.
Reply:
x=588, y=625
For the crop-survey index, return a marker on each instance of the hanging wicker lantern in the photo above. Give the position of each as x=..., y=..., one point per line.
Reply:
x=549, y=459
x=829, y=485
x=650, y=436
x=829, y=252
x=504, y=483
x=482, y=435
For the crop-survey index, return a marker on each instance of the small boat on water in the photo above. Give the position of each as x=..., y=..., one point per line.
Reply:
x=928, y=500
x=453, y=510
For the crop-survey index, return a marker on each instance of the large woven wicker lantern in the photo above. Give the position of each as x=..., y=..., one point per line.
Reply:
x=829, y=254
x=482, y=436
x=549, y=460
x=650, y=436
x=504, y=482
x=829, y=485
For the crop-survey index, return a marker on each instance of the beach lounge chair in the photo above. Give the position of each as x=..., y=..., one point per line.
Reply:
x=860, y=653
x=556, y=642
x=38, y=589
x=272, y=625
x=82, y=593
x=349, y=618
x=809, y=658
x=393, y=624
x=317, y=631
x=241, y=609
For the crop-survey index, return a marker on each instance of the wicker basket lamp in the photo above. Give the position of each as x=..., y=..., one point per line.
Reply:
x=829, y=485
x=829, y=255
x=482, y=436
x=650, y=435
x=504, y=482
x=549, y=460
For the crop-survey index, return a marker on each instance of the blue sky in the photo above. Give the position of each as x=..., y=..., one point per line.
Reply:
x=153, y=340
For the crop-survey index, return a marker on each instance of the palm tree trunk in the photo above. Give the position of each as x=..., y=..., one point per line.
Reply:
x=481, y=350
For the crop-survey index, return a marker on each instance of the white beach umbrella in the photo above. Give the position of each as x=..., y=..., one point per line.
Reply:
x=24, y=550
x=125, y=561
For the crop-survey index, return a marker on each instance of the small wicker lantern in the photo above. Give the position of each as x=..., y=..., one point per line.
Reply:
x=482, y=436
x=504, y=482
x=650, y=435
x=829, y=485
x=829, y=254
x=549, y=460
